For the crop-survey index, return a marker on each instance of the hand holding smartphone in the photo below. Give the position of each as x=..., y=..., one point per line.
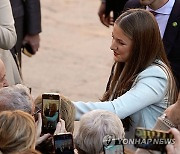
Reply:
x=152, y=139
x=51, y=105
x=64, y=143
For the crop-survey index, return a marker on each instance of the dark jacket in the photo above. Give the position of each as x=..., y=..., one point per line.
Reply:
x=27, y=16
x=116, y=6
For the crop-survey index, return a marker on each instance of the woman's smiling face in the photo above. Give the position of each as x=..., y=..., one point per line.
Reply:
x=121, y=44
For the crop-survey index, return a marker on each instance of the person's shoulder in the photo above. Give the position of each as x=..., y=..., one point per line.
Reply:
x=154, y=70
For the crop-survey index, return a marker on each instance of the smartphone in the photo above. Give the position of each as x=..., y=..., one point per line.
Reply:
x=27, y=50
x=112, y=145
x=152, y=139
x=64, y=143
x=51, y=105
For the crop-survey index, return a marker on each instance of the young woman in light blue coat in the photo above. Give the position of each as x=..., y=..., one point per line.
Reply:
x=141, y=84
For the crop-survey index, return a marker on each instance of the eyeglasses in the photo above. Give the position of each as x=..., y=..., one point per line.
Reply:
x=37, y=110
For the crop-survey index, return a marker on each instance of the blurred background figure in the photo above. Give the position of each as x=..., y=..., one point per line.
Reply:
x=27, y=16
x=7, y=41
x=106, y=7
x=109, y=10
x=7, y=31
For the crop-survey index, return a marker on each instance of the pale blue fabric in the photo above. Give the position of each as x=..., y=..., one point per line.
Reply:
x=144, y=102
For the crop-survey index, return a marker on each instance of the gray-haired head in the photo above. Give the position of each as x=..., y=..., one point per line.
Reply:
x=16, y=97
x=94, y=126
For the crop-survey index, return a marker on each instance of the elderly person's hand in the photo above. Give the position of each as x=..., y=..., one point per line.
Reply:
x=173, y=111
x=174, y=149
x=40, y=139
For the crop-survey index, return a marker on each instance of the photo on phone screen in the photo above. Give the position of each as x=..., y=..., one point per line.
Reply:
x=50, y=112
x=112, y=145
x=152, y=139
x=64, y=143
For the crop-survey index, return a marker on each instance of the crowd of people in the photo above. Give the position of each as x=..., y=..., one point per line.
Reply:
x=19, y=132
x=142, y=90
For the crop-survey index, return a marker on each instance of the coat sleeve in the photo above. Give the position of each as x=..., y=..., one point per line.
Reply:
x=32, y=16
x=7, y=30
x=150, y=88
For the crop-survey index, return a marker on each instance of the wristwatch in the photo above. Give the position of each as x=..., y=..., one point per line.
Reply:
x=163, y=123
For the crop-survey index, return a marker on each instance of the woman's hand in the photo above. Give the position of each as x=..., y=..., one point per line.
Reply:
x=40, y=138
x=60, y=127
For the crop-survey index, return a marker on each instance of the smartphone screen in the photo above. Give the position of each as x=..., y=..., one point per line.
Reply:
x=64, y=143
x=152, y=139
x=50, y=112
x=112, y=145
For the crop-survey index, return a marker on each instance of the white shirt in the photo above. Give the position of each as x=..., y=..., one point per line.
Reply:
x=163, y=15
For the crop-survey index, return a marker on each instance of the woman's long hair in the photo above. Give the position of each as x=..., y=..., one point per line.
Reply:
x=141, y=27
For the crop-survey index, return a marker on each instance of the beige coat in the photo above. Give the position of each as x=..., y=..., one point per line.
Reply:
x=7, y=41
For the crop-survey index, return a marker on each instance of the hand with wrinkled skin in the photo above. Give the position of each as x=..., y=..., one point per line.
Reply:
x=33, y=41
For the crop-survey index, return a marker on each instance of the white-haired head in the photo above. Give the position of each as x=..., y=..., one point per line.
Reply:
x=94, y=126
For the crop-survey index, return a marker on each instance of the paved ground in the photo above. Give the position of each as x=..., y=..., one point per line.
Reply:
x=74, y=57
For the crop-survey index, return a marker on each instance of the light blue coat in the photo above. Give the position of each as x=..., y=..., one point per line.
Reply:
x=144, y=102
